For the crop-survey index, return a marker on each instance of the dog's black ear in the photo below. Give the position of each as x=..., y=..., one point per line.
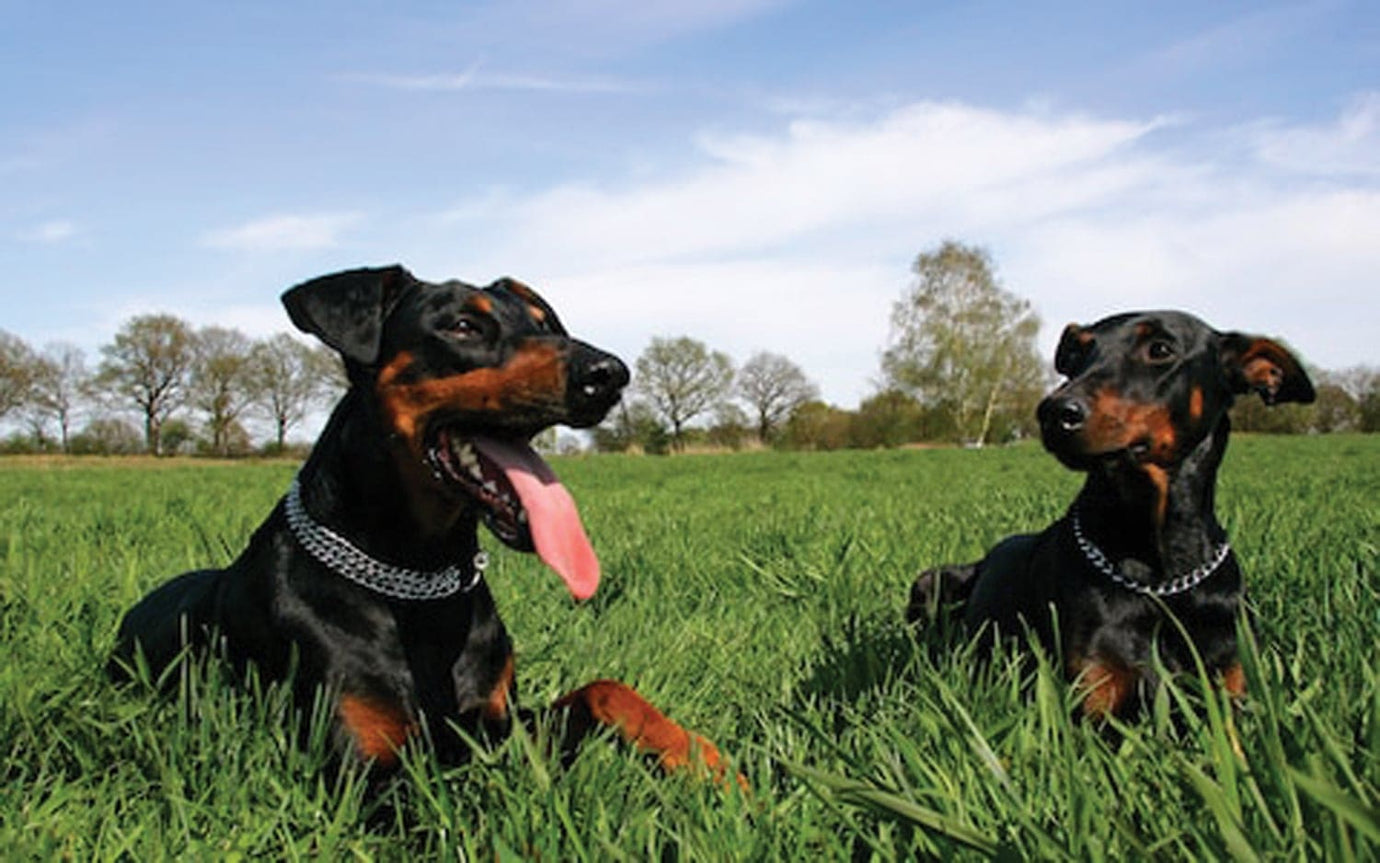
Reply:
x=1071, y=354
x=346, y=310
x=1265, y=366
x=537, y=307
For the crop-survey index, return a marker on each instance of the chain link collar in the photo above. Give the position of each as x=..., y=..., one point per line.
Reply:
x=341, y=556
x=1180, y=584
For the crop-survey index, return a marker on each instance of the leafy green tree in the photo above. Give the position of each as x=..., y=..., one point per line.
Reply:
x=731, y=428
x=961, y=342
x=682, y=379
x=773, y=387
x=1334, y=410
x=1253, y=415
x=889, y=418
x=1362, y=383
x=179, y=438
x=106, y=436
x=817, y=426
x=632, y=424
x=1370, y=412
x=149, y=364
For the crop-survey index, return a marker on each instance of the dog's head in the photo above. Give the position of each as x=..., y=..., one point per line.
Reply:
x=1147, y=387
x=464, y=377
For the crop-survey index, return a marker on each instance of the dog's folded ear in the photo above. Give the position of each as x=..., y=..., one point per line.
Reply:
x=1072, y=350
x=1265, y=366
x=346, y=310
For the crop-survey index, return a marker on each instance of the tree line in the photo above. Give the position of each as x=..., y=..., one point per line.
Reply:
x=192, y=390
x=960, y=365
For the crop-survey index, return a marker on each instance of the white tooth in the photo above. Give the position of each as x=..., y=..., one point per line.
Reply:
x=467, y=456
x=522, y=516
x=491, y=487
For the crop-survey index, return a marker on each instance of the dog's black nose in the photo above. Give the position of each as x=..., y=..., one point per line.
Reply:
x=1065, y=415
x=596, y=380
x=1071, y=416
x=607, y=374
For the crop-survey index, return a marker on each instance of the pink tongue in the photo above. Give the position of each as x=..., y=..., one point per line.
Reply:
x=551, y=516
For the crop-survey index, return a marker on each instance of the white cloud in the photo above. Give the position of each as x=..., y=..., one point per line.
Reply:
x=943, y=165
x=472, y=79
x=799, y=241
x=55, y=231
x=825, y=314
x=285, y=233
x=1242, y=38
x=1350, y=145
x=605, y=26
x=18, y=164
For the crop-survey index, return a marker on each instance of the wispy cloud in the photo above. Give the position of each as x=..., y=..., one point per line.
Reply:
x=603, y=27
x=812, y=228
x=473, y=79
x=16, y=164
x=1244, y=37
x=918, y=168
x=54, y=231
x=285, y=233
x=1350, y=145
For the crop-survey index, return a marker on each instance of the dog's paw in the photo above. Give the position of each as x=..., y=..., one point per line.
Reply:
x=936, y=592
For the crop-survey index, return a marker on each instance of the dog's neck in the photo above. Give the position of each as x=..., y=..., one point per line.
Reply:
x=1160, y=522
x=382, y=497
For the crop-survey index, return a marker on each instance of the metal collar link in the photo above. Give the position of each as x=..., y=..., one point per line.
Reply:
x=1179, y=584
x=342, y=557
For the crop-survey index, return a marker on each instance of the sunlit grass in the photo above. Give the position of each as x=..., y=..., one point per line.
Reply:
x=755, y=597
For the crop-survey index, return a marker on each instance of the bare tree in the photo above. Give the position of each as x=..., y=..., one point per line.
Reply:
x=963, y=344
x=60, y=383
x=148, y=364
x=682, y=379
x=220, y=383
x=774, y=387
x=16, y=372
x=289, y=379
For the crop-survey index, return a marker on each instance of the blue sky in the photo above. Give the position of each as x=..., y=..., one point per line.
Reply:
x=758, y=174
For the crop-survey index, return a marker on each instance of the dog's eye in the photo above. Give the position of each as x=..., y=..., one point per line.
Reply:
x=1159, y=351
x=466, y=328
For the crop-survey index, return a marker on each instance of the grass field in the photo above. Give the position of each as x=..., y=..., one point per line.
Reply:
x=758, y=599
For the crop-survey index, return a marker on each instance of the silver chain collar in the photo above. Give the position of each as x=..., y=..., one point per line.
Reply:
x=342, y=557
x=1180, y=584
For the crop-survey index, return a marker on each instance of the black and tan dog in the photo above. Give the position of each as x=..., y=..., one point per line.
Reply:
x=1144, y=414
x=365, y=581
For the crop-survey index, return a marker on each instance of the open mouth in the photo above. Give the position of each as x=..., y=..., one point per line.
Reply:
x=522, y=502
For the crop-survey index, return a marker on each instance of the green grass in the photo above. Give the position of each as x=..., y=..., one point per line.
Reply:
x=757, y=598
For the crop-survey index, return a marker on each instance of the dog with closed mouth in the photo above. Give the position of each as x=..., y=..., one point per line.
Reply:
x=365, y=582
x=1140, y=553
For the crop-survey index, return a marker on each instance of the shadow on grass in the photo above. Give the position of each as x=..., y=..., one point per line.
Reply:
x=865, y=654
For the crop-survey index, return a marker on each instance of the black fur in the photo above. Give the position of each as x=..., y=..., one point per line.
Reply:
x=395, y=666
x=1144, y=414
